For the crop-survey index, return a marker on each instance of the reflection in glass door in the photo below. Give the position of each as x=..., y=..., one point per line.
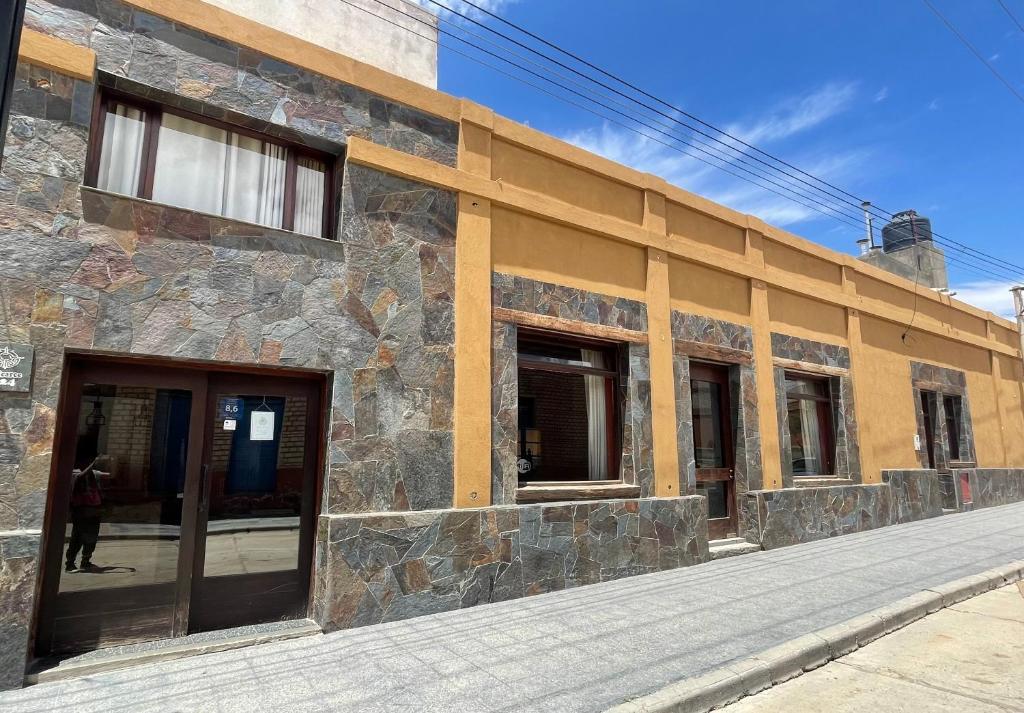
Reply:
x=115, y=548
x=712, y=443
x=182, y=500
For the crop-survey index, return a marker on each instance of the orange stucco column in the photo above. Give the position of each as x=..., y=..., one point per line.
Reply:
x=860, y=374
x=472, y=426
x=659, y=335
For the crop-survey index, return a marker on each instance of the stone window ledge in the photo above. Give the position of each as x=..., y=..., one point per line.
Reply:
x=545, y=492
x=100, y=207
x=816, y=482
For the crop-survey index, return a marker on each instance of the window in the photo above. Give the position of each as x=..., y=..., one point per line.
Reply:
x=567, y=410
x=928, y=400
x=183, y=160
x=953, y=407
x=809, y=415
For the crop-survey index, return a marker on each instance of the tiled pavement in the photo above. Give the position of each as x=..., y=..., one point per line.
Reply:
x=577, y=650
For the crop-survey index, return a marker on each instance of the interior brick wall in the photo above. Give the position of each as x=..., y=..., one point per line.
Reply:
x=561, y=416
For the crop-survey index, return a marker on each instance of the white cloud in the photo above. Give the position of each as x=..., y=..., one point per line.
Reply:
x=881, y=95
x=994, y=58
x=797, y=114
x=794, y=116
x=933, y=105
x=988, y=295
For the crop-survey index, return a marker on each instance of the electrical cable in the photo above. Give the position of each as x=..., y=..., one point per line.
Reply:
x=887, y=215
x=976, y=53
x=1011, y=15
x=834, y=213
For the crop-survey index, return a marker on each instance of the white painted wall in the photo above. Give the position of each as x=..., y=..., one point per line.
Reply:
x=339, y=26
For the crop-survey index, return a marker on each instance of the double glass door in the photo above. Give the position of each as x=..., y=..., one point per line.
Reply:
x=183, y=501
x=713, y=446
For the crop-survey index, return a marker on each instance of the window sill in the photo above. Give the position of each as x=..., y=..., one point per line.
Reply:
x=819, y=481
x=542, y=492
x=96, y=213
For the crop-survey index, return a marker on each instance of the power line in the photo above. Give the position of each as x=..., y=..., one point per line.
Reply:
x=1011, y=15
x=886, y=214
x=834, y=212
x=976, y=53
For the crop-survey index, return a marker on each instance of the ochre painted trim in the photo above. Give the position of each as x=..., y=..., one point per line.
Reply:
x=569, y=326
x=57, y=54
x=389, y=160
x=860, y=373
x=472, y=414
x=245, y=32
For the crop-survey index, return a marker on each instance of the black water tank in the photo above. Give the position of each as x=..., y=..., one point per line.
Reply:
x=906, y=229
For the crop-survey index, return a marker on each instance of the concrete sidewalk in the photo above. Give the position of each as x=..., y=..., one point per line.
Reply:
x=585, y=649
x=969, y=657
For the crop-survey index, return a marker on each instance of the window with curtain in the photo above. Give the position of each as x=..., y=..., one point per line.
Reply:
x=186, y=161
x=809, y=417
x=567, y=397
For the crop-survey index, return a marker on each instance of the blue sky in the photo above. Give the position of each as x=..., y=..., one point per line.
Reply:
x=878, y=97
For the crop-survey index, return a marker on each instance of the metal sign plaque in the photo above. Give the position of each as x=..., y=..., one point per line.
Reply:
x=16, y=366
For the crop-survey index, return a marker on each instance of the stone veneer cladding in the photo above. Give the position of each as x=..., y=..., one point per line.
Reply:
x=844, y=416
x=88, y=270
x=211, y=76
x=795, y=515
x=383, y=567
x=534, y=297
x=730, y=344
x=990, y=486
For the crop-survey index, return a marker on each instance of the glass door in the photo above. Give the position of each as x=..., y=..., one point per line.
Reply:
x=121, y=507
x=258, y=488
x=182, y=500
x=712, y=446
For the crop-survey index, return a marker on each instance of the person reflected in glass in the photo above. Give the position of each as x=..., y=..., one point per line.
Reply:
x=86, y=515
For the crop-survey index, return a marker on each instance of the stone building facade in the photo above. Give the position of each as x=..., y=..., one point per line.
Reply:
x=407, y=322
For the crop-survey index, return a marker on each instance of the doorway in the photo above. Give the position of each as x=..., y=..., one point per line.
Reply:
x=182, y=500
x=713, y=446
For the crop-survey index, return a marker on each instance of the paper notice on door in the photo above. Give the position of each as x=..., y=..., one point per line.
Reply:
x=229, y=424
x=261, y=426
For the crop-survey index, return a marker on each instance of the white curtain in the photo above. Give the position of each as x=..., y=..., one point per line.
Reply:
x=309, y=196
x=121, y=154
x=213, y=170
x=597, y=417
x=811, y=437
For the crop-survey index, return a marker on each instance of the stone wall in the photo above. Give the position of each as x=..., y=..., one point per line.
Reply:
x=990, y=487
x=94, y=271
x=810, y=355
x=522, y=294
x=384, y=567
x=18, y=563
x=211, y=76
x=791, y=516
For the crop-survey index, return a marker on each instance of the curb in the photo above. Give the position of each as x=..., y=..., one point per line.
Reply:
x=748, y=676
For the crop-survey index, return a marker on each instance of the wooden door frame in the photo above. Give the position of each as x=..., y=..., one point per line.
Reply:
x=81, y=367
x=80, y=372
x=718, y=373
x=268, y=385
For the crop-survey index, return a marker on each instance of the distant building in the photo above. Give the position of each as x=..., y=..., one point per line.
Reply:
x=909, y=251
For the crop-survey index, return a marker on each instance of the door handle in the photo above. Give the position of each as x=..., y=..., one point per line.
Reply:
x=202, y=486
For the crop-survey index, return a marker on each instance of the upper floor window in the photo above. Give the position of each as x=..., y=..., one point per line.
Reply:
x=182, y=160
x=809, y=412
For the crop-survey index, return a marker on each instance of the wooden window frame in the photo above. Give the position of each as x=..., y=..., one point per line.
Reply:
x=613, y=407
x=154, y=112
x=826, y=422
x=952, y=411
